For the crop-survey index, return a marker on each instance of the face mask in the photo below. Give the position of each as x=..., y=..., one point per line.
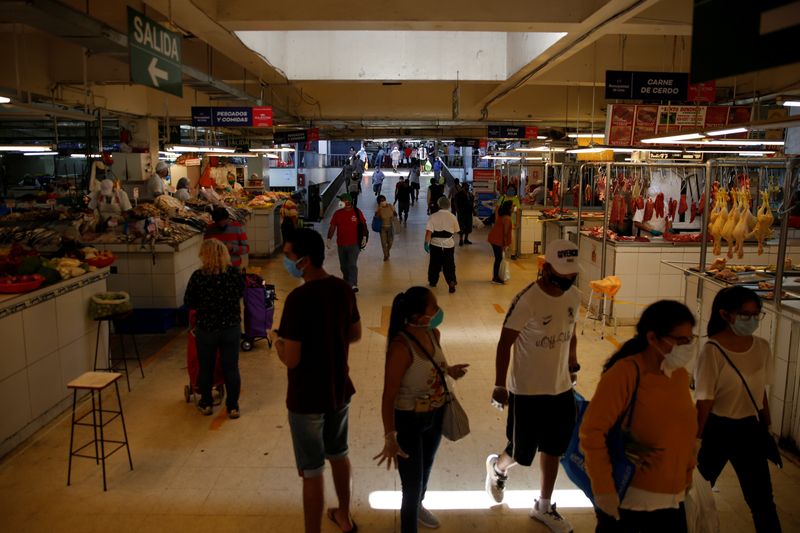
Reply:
x=745, y=326
x=512, y=192
x=384, y=203
x=680, y=357
x=562, y=283
x=341, y=204
x=437, y=319
x=291, y=267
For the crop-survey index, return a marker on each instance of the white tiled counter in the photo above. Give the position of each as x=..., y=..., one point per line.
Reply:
x=531, y=231
x=157, y=277
x=48, y=340
x=645, y=278
x=262, y=235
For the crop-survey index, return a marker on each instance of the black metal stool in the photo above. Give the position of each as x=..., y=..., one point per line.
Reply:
x=96, y=382
x=117, y=363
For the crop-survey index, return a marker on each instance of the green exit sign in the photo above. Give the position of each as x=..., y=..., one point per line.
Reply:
x=154, y=54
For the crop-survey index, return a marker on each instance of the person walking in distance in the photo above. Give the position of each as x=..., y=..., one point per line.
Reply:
x=402, y=197
x=413, y=400
x=385, y=211
x=354, y=186
x=440, y=244
x=377, y=181
x=396, y=155
x=345, y=223
x=500, y=239
x=413, y=180
x=463, y=203
x=319, y=323
x=540, y=325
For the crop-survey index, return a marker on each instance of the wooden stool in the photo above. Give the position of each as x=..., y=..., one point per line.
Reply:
x=117, y=363
x=96, y=382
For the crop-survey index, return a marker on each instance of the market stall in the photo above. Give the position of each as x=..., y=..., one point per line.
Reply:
x=263, y=224
x=48, y=340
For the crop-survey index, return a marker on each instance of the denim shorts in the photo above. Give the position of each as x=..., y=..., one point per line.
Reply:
x=316, y=437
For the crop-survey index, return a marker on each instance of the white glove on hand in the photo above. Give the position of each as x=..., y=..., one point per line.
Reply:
x=329, y=243
x=608, y=503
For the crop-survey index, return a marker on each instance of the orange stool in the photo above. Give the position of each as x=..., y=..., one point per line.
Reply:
x=605, y=290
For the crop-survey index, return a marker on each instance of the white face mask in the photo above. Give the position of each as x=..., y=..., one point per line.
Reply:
x=680, y=357
x=341, y=204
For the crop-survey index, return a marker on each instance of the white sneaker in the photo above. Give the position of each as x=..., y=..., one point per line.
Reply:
x=495, y=482
x=427, y=518
x=551, y=518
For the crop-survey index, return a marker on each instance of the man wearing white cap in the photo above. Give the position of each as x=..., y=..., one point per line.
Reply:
x=540, y=325
x=155, y=185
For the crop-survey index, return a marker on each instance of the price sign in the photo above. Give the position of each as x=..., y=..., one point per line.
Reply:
x=136, y=193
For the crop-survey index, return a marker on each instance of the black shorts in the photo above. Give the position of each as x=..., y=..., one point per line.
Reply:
x=541, y=422
x=415, y=186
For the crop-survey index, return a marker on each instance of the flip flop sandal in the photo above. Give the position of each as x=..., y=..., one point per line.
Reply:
x=332, y=518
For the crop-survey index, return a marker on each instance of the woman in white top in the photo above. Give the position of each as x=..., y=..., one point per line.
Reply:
x=413, y=397
x=728, y=421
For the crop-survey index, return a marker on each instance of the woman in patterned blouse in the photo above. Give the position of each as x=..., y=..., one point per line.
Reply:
x=214, y=291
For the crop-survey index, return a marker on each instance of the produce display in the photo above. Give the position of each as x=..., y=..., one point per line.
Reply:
x=108, y=304
x=97, y=258
x=17, y=284
x=268, y=200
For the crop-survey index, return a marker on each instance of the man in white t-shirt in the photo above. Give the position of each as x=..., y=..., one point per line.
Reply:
x=540, y=325
x=440, y=244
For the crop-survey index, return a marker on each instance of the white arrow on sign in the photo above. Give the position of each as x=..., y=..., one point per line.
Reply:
x=156, y=73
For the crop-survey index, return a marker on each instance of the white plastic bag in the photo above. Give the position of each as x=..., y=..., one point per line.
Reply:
x=505, y=271
x=701, y=510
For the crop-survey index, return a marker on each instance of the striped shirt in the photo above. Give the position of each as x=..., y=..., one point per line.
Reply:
x=233, y=237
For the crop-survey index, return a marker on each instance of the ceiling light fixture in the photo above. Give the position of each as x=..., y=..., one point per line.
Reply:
x=5, y=100
x=729, y=131
x=674, y=139
x=588, y=150
x=586, y=135
x=541, y=149
x=791, y=103
x=733, y=142
x=39, y=153
x=83, y=156
x=25, y=148
x=180, y=148
x=501, y=157
x=268, y=150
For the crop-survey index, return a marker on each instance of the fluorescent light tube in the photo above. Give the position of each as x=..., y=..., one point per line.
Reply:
x=39, y=153
x=5, y=100
x=586, y=135
x=268, y=150
x=587, y=150
x=672, y=139
x=791, y=103
x=25, y=148
x=184, y=149
x=729, y=131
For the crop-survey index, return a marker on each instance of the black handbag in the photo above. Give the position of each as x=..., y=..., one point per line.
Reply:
x=768, y=443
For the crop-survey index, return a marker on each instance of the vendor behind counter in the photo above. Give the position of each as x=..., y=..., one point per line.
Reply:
x=110, y=201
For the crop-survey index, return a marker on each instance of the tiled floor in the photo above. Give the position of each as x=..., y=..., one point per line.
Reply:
x=193, y=473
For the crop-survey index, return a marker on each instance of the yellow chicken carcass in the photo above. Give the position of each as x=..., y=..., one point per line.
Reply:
x=730, y=224
x=763, y=228
x=743, y=227
x=717, y=219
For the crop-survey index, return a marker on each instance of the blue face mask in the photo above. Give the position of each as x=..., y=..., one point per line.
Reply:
x=512, y=192
x=745, y=326
x=291, y=267
x=437, y=319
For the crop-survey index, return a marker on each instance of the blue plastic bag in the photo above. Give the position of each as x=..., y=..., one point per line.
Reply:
x=623, y=469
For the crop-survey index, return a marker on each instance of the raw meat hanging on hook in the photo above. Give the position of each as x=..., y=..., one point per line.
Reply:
x=659, y=205
x=649, y=207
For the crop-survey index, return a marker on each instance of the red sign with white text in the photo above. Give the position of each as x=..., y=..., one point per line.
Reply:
x=531, y=132
x=262, y=117
x=703, y=92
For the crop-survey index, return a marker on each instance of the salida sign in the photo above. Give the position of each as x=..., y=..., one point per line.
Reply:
x=629, y=85
x=155, y=54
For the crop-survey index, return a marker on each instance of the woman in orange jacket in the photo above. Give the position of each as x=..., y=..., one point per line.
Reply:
x=500, y=238
x=663, y=425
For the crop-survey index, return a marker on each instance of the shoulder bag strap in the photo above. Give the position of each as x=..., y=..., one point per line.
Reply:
x=430, y=358
x=744, y=381
x=628, y=416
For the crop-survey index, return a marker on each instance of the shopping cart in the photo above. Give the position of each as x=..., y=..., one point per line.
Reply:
x=190, y=391
x=259, y=310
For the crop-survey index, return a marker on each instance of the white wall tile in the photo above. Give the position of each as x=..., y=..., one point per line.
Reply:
x=647, y=285
x=163, y=285
x=140, y=263
x=45, y=386
x=12, y=359
x=626, y=263
x=38, y=329
x=78, y=356
x=73, y=316
x=648, y=263
x=140, y=285
x=670, y=286
x=119, y=282
x=14, y=396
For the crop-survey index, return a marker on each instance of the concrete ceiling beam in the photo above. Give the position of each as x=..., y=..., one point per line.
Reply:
x=608, y=19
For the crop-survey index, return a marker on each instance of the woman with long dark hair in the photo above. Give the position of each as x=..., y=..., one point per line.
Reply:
x=727, y=419
x=413, y=399
x=651, y=367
